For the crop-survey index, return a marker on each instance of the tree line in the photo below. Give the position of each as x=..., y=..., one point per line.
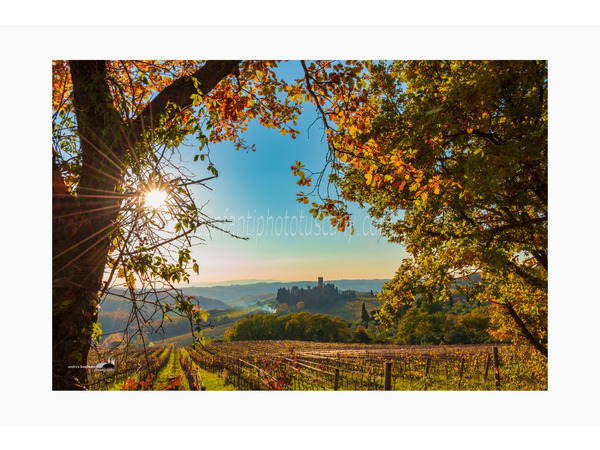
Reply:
x=422, y=323
x=294, y=326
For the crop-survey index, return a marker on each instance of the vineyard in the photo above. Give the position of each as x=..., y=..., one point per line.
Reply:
x=304, y=366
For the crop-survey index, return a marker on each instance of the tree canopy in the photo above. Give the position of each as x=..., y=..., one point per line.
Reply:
x=294, y=326
x=116, y=129
x=450, y=157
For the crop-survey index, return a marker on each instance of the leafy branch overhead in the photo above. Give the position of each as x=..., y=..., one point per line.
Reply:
x=117, y=127
x=450, y=157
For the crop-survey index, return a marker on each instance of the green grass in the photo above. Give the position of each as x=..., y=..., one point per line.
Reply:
x=211, y=381
x=116, y=386
x=218, y=332
x=237, y=314
x=186, y=339
x=350, y=310
x=172, y=369
x=214, y=382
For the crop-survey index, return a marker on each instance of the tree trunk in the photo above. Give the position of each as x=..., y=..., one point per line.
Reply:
x=81, y=234
x=83, y=223
x=80, y=247
x=530, y=337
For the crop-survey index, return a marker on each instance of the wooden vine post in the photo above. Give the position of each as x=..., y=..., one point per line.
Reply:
x=427, y=365
x=387, y=384
x=487, y=366
x=496, y=368
x=460, y=376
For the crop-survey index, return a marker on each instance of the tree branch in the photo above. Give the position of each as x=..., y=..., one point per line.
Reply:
x=180, y=92
x=532, y=340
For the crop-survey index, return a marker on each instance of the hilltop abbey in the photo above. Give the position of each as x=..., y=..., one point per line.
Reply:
x=313, y=297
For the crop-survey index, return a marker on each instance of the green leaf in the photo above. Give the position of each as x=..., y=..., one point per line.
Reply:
x=96, y=332
x=76, y=355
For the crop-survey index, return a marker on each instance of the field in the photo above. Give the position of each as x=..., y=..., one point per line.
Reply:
x=301, y=366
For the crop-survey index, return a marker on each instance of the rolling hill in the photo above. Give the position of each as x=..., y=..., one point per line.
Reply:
x=233, y=294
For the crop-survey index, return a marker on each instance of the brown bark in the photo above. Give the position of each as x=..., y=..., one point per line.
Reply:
x=180, y=91
x=82, y=224
x=80, y=237
x=530, y=337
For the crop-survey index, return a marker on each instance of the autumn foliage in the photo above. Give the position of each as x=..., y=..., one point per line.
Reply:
x=148, y=384
x=450, y=157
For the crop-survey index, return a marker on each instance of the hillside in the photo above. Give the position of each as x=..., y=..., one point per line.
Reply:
x=251, y=300
x=237, y=301
x=231, y=294
x=240, y=295
x=114, y=315
x=348, y=310
x=114, y=303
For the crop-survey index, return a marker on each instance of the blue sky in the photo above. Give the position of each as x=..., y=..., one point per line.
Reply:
x=257, y=192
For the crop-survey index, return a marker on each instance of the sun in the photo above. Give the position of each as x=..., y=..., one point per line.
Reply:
x=155, y=199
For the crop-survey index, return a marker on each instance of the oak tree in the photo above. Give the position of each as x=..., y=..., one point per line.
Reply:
x=451, y=159
x=117, y=127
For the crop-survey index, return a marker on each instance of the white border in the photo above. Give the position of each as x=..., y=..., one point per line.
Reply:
x=25, y=330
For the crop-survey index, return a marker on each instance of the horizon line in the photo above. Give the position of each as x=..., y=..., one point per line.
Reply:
x=257, y=281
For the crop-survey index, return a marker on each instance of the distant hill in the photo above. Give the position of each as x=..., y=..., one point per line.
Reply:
x=475, y=278
x=210, y=303
x=347, y=309
x=250, y=300
x=114, y=313
x=229, y=304
x=230, y=294
x=112, y=303
x=229, y=283
x=114, y=310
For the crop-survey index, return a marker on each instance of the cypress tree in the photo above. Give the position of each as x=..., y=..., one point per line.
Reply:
x=364, y=314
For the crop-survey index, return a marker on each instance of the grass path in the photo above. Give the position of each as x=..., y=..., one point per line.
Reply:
x=211, y=381
x=116, y=385
x=172, y=369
